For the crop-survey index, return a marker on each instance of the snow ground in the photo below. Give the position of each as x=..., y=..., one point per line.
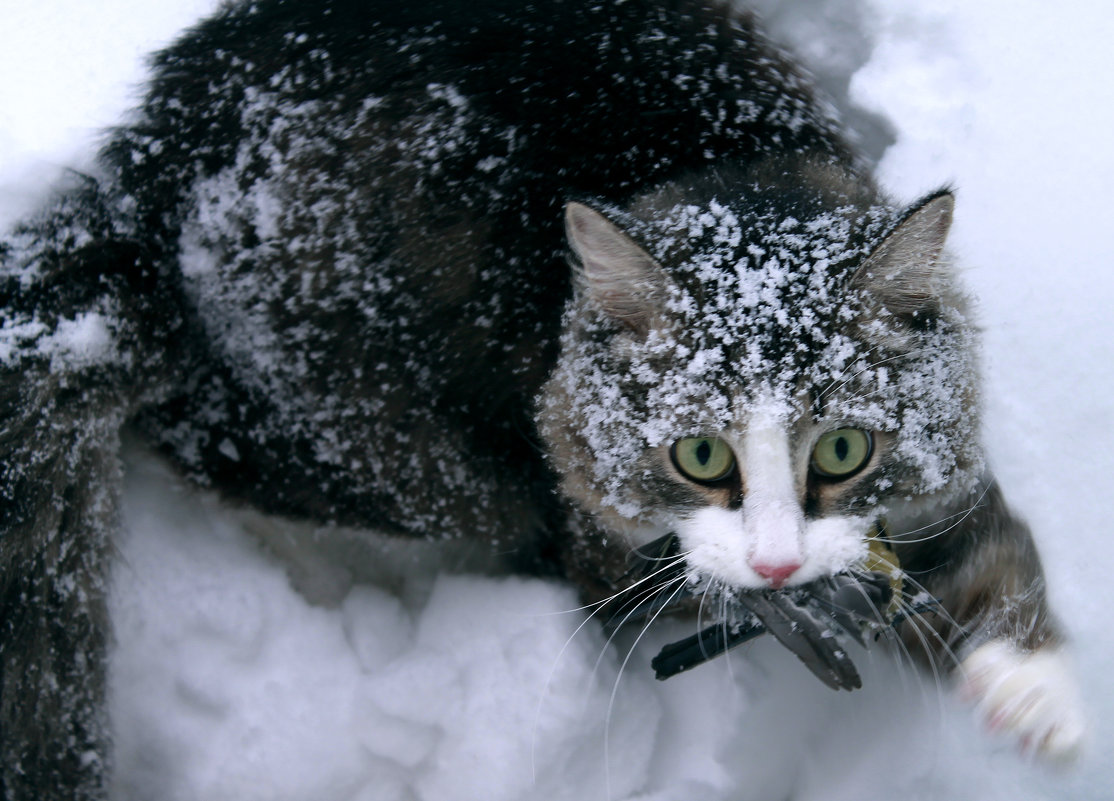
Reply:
x=228, y=685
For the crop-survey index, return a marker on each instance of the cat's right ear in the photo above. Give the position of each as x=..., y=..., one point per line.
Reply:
x=620, y=276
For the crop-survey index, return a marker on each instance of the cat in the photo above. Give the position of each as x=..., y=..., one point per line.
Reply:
x=323, y=270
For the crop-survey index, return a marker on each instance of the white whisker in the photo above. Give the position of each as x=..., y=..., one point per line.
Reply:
x=673, y=562
x=870, y=366
x=727, y=653
x=595, y=608
x=615, y=689
x=902, y=539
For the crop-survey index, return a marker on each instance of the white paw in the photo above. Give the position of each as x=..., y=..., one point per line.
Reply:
x=1031, y=696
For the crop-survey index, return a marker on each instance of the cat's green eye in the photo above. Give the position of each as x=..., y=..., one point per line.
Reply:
x=703, y=459
x=842, y=453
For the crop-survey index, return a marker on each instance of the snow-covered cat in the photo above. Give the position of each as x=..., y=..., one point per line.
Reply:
x=323, y=269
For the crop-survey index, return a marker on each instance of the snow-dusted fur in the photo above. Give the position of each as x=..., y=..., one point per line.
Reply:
x=323, y=270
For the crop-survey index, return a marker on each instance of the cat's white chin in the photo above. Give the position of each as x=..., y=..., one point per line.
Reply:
x=1032, y=697
x=721, y=546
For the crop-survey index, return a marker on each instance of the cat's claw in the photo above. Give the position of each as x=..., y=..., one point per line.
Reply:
x=1030, y=696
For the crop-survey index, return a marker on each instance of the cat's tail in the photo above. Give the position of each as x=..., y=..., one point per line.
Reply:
x=85, y=323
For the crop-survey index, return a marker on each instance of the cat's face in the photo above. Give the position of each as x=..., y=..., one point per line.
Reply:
x=778, y=490
x=763, y=377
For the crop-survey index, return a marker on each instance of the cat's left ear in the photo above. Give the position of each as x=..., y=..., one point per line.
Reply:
x=905, y=272
x=622, y=278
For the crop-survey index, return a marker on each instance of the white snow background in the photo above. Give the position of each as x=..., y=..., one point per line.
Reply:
x=228, y=685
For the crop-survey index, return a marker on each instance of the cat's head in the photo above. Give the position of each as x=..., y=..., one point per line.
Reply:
x=763, y=370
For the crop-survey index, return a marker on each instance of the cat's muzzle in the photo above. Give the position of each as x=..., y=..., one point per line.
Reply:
x=813, y=620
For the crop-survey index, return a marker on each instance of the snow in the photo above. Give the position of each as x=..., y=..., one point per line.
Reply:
x=227, y=684
x=69, y=70
x=82, y=341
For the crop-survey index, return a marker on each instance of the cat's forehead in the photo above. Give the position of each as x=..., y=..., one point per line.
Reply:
x=766, y=287
x=764, y=240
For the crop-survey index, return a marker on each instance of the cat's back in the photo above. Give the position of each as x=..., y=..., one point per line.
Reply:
x=364, y=203
x=624, y=94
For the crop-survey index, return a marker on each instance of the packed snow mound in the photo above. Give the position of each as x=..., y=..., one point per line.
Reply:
x=228, y=684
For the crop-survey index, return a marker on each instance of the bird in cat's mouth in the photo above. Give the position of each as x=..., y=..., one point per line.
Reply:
x=811, y=620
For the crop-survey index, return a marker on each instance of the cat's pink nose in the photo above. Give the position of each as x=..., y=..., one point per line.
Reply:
x=776, y=574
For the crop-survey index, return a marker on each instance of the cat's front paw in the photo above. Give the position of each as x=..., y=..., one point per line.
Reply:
x=1032, y=696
